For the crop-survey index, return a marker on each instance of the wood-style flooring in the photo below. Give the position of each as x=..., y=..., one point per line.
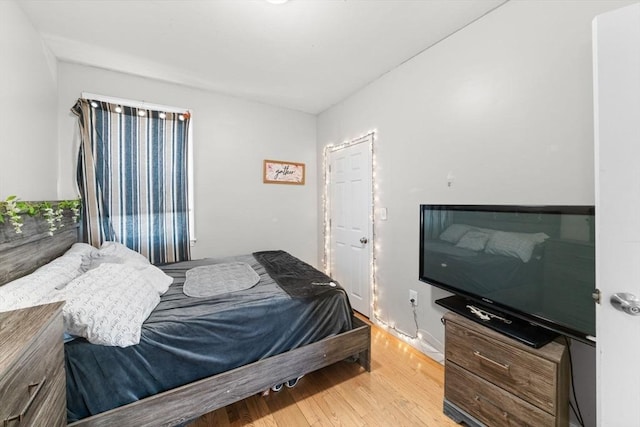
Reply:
x=404, y=388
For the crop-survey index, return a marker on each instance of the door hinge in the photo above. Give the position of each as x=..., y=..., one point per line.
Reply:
x=596, y=295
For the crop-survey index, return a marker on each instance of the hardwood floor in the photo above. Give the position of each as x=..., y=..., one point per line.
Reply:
x=404, y=388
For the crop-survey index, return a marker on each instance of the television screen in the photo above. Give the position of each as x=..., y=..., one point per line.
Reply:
x=536, y=263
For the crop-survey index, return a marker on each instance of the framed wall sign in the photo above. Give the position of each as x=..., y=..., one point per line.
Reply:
x=280, y=172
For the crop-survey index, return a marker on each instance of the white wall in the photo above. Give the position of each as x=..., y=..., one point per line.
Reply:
x=235, y=212
x=505, y=105
x=28, y=120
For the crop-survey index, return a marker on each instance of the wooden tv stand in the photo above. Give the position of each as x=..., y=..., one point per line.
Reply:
x=493, y=380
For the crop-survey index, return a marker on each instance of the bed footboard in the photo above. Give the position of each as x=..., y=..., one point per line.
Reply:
x=190, y=401
x=364, y=356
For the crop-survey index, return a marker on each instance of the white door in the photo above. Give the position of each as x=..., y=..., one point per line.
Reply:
x=617, y=137
x=350, y=213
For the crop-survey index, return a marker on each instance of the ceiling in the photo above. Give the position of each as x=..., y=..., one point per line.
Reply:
x=305, y=55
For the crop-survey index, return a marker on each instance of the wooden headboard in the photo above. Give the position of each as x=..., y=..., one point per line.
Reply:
x=21, y=254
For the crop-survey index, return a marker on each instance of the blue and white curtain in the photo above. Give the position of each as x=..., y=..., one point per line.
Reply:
x=435, y=220
x=132, y=174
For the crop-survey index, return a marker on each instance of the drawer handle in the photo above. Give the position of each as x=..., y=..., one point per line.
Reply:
x=493, y=362
x=21, y=415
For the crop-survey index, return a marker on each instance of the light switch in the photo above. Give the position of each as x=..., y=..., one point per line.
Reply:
x=383, y=214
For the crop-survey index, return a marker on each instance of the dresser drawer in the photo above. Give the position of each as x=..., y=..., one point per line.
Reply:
x=49, y=408
x=490, y=404
x=36, y=376
x=517, y=371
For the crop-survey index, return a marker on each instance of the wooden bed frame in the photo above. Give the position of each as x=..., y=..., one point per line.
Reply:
x=22, y=254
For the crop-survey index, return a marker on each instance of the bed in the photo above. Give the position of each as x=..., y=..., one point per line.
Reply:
x=313, y=339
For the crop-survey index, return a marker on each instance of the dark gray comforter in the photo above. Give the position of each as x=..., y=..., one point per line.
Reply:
x=186, y=339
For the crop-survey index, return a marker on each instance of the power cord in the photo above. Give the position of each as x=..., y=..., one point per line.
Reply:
x=576, y=409
x=415, y=315
x=398, y=331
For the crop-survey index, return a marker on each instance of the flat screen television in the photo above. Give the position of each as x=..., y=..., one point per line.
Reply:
x=525, y=269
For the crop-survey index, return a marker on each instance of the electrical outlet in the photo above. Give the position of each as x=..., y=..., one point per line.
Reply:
x=413, y=297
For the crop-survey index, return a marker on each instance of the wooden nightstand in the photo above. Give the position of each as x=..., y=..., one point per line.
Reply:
x=32, y=376
x=493, y=380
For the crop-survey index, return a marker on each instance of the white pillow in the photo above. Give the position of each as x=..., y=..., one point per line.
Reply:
x=156, y=277
x=488, y=231
x=116, y=253
x=454, y=232
x=116, y=249
x=35, y=288
x=82, y=249
x=474, y=240
x=519, y=245
x=107, y=305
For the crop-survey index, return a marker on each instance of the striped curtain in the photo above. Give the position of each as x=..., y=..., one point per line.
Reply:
x=435, y=220
x=132, y=174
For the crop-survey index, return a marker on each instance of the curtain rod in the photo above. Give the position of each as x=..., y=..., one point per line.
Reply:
x=133, y=103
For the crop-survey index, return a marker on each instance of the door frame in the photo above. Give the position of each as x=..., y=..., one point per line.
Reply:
x=369, y=138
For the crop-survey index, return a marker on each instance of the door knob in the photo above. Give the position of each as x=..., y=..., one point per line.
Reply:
x=628, y=303
x=364, y=240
